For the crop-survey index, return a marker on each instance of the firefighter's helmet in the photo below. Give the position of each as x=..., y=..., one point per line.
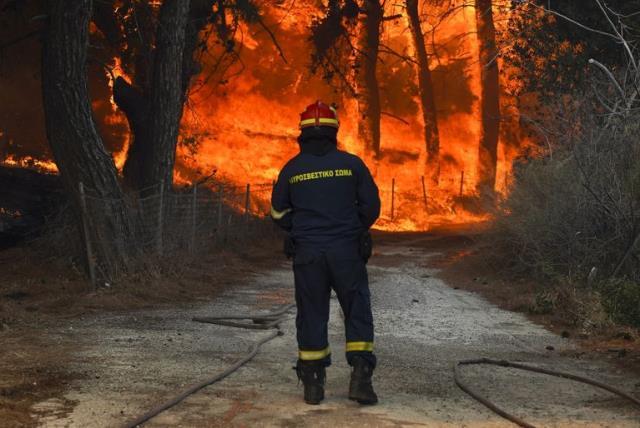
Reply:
x=319, y=114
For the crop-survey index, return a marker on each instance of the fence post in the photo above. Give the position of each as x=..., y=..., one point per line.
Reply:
x=159, y=230
x=194, y=217
x=87, y=238
x=424, y=192
x=247, y=203
x=220, y=198
x=393, y=196
x=220, y=207
x=461, y=182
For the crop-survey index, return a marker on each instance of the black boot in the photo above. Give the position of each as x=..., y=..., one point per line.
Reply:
x=312, y=374
x=360, y=387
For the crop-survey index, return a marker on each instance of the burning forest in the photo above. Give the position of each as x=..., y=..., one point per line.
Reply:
x=443, y=100
x=419, y=88
x=437, y=165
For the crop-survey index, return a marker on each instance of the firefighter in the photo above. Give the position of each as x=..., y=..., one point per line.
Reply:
x=327, y=200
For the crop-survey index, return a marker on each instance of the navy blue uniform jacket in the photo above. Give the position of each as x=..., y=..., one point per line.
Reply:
x=325, y=200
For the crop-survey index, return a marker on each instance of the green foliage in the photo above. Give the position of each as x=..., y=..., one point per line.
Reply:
x=574, y=208
x=580, y=208
x=543, y=304
x=552, y=53
x=621, y=300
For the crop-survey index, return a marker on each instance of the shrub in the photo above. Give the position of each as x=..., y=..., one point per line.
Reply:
x=621, y=299
x=578, y=209
x=575, y=209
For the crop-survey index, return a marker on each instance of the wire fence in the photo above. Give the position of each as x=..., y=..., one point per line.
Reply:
x=128, y=233
x=416, y=199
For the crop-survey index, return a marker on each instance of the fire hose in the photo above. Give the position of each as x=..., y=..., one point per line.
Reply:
x=260, y=322
x=502, y=363
x=272, y=321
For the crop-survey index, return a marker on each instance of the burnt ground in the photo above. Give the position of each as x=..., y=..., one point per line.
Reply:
x=39, y=291
x=75, y=358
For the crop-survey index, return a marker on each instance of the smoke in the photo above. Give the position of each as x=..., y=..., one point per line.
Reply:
x=241, y=117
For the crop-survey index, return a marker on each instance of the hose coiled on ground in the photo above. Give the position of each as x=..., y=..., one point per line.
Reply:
x=272, y=320
x=502, y=363
x=260, y=322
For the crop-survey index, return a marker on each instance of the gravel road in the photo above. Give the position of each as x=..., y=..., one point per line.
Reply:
x=126, y=363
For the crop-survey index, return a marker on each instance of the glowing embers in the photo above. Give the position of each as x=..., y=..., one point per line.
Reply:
x=241, y=118
x=115, y=118
x=31, y=163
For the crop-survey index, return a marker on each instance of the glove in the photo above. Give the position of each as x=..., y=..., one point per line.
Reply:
x=366, y=246
x=289, y=247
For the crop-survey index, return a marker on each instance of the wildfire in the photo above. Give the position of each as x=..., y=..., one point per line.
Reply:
x=247, y=130
x=116, y=117
x=30, y=162
x=244, y=126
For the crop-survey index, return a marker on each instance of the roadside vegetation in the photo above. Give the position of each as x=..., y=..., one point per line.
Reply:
x=572, y=218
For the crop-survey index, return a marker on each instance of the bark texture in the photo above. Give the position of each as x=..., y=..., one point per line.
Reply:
x=368, y=94
x=427, y=99
x=76, y=145
x=74, y=139
x=490, y=98
x=154, y=103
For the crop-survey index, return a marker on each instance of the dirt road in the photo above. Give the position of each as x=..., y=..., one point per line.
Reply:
x=124, y=364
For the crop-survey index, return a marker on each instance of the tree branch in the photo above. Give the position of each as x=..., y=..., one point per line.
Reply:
x=398, y=118
x=609, y=75
x=573, y=21
x=391, y=17
x=390, y=51
x=273, y=39
x=622, y=39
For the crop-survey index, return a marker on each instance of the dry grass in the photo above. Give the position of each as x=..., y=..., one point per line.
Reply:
x=570, y=311
x=572, y=219
x=43, y=281
x=46, y=277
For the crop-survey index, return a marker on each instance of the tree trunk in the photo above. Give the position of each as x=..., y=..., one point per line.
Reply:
x=368, y=95
x=490, y=98
x=76, y=145
x=199, y=16
x=427, y=100
x=154, y=110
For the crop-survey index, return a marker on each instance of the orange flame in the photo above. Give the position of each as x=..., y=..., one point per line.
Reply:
x=46, y=166
x=245, y=126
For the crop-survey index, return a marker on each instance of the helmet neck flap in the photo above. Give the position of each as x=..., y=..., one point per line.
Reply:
x=318, y=140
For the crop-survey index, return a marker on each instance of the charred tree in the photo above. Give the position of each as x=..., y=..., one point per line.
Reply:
x=368, y=92
x=158, y=48
x=347, y=41
x=76, y=145
x=154, y=103
x=490, y=98
x=427, y=99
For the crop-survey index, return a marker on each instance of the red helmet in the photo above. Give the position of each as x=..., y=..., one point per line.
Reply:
x=319, y=114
